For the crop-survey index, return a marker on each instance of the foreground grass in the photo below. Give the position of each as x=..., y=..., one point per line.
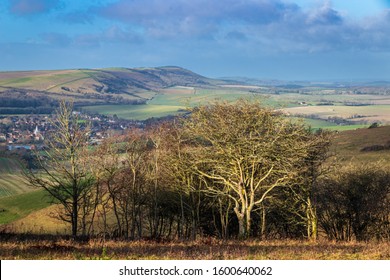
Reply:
x=51, y=247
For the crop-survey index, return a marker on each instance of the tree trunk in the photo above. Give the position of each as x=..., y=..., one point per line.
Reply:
x=263, y=223
x=312, y=221
x=248, y=222
x=74, y=216
x=241, y=224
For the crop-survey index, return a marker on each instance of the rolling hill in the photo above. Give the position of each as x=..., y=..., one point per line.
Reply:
x=97, y=86
x=154, y=92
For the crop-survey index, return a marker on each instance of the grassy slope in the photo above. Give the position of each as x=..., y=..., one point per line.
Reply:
x=11, y=179
x=81, y=85
x=348, y=144
x=17, y=199
x=43, y=80
x=18, y=206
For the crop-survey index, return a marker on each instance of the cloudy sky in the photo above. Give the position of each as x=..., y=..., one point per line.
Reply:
x=279, y=39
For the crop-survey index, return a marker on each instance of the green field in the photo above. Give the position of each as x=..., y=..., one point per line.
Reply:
x=18, y=206
x=135, y=112
x=17, y=198
x=172, y=101
x=323, y=124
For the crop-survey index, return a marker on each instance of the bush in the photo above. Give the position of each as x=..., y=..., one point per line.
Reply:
x=354, y=203
x=374, y=125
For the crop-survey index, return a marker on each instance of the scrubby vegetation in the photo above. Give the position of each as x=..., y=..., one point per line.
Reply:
x=65, y=248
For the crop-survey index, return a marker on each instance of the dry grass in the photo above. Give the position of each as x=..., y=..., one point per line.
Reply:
x=347, y=145
x=52, y=247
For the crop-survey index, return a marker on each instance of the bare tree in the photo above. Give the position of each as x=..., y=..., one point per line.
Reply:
x=64, y=172
x=354, y=201
x=248, y=151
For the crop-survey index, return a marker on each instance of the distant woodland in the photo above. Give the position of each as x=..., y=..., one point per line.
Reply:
x=21, y=103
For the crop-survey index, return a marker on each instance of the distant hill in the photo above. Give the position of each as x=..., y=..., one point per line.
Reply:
x=108, y=80
x=110, y=85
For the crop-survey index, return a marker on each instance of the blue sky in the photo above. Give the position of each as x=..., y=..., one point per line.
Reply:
x=280, y=39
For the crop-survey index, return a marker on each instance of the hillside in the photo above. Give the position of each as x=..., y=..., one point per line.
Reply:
x=363, y=145
x=111, y=85
x=11, y=179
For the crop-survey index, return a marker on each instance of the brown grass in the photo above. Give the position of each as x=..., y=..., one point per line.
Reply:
x=52, y=247
x=348, y=145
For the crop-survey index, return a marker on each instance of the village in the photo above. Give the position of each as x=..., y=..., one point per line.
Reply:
x=28, y=132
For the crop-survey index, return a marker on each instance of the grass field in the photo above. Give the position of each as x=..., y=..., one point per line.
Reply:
x=8, y=165
x=18, y=206
x=185, y=96
x=171, y=101
x=323, y=124
x=17, y=198
x=135, y=112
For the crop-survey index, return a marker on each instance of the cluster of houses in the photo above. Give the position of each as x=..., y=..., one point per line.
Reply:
x=22, y=130
x=26, y=132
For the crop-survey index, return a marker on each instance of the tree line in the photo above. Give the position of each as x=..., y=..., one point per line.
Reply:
x=229, y=170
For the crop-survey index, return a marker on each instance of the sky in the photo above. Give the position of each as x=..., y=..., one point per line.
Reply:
x=264, y=39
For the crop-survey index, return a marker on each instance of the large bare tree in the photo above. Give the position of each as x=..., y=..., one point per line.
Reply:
x=246, y=151
x=63, y=169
